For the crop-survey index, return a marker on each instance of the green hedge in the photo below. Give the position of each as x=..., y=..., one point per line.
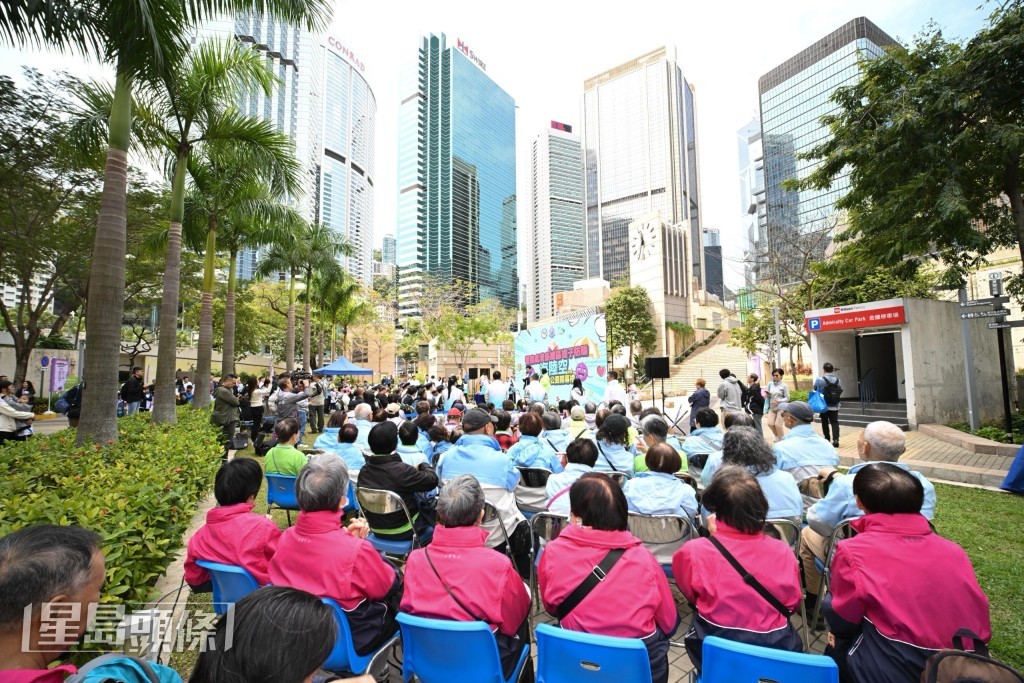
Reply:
x=797, y=395
x=139, y=494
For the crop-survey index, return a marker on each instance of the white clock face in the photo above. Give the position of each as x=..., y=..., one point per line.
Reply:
x=643, y=242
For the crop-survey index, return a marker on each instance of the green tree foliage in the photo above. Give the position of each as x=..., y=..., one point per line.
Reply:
x=628, y=314
x=932, y=137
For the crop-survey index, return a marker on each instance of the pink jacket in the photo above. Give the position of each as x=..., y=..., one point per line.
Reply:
x=722, y=598
x=320, y=557
x=633, y=599
x=232, y=535
x=483, y=580
x=913, y=585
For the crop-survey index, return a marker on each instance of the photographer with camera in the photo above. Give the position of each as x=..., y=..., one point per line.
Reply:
x=288, y=400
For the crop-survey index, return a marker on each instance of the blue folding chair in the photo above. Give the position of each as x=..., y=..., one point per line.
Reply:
x=383, y=502
x=230, y=584
x=281, y=494
x=428, y=646
x=564, y=655
x=726, y=661
x=351, y=504
x=343, y=657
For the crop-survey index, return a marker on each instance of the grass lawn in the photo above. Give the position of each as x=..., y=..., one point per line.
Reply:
x=988, y=526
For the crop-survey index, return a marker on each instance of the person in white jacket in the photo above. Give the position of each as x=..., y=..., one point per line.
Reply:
x=10, y=415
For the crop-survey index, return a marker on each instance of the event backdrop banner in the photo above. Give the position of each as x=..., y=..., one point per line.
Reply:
x=571, y=348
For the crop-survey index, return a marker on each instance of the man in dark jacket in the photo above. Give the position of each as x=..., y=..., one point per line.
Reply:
x=225, y=410
x=386, y=470
x=131, y=392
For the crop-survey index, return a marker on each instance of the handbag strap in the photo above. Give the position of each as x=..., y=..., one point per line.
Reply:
x=449, y=590
x=606, y=458
x=749, y=579
x=596, y=576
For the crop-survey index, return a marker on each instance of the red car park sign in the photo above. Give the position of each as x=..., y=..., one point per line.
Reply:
x=871, y=314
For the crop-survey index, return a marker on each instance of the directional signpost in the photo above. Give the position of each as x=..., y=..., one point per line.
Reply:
x=1006, y=325
x=997, y=313
x=995, y=289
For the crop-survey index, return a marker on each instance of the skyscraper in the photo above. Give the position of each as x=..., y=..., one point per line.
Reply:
x=456, y=177
x=752, y=204
x=794, y=96
x=346, y=183
x=714, y=273
x=387, y=253
x=555, y=252
x=640, y=146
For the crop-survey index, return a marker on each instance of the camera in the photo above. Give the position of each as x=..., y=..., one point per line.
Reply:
x=298, y=374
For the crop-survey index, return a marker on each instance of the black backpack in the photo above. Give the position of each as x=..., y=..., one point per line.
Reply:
x=832, y=392
x=961, y=666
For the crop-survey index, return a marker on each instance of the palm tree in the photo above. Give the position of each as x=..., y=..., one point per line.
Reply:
x=283, y=257
x=334, y=295
x=318, y=252
x=356, y=311
x=235, y=189
x=145, y=40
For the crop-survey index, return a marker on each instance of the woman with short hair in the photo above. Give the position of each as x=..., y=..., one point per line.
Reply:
x=658, y=491
x=710, y=572
x=530, y=450
x=745, y=447
x=633, y=600
x=615, y=450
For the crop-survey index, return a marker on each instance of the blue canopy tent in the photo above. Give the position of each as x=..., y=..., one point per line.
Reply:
x=342, y=366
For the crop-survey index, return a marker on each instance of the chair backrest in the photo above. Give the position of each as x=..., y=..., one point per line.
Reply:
x=786, y=530
x=734, y=662
x=379, y=501
x=492, y=517
x=428, y=645
x=231, y=583
x=687, y=478
x=564, y=655
x=663, y=535
x=547, y=525
x=281, y=491
x=351, y=504
x=343, y=657
x=620, y=477
x=534, y=477
x=843, y=531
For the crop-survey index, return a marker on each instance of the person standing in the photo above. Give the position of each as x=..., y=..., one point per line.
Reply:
x=778, y=393
x=755, y=401
x=614, y=390
x=545, y=380
x=132, y=391
x=700, y=398
x=316, y=406
x=497, y=390
x=730, y=393
x=256, y=397
x=225, y=410
x=535, y=391
x=831, y=389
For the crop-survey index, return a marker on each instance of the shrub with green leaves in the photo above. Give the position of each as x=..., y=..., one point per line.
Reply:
x=139, y=494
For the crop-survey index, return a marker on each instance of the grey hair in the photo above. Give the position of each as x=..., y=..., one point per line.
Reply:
x=654, y=425
x=551, y=420
x=886, y=439
x=590, y=408
x=746, y=447
x=362, y=411
x=460, y=502
x=322, y=483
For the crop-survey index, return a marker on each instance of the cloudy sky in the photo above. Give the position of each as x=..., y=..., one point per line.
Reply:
x=541, y=52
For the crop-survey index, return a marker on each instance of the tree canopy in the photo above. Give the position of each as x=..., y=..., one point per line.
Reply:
x=628, y=315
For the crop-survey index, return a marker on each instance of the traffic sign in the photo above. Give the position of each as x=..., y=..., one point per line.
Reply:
x=1006, y=325
x=44, y=361
x=996, y=300
x=997, y=275
x=997, y=313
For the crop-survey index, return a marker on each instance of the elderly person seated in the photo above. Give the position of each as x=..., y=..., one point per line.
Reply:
x=615, y=451
x=634, y=600
x=577, y=422
x=321, y=557
x=879, y=442
x=58, y=566
x=658, y=491
x=726, y=603
x=328, y=438
x=362, y=414
x=531, y=450
x=344, y=447
x=580, y=456
x=458, y=578
x=714, y=461
x=232, y=533
x=746, y=447
x=802, y=452
x=408, y=439
x=704, y=440
x=284, y=458
x=654, y=430
x=387, y=470
x=898, y=591
x=554, y=435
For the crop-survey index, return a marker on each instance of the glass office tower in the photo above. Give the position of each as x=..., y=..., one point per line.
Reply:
x=456, y=177
x=640, y=146
x=794, y=96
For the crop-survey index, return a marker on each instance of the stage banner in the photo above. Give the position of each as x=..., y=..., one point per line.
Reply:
x=571, y=348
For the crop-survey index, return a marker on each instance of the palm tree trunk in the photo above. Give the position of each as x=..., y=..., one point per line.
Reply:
x=227, y=366
x=105, y=307
x=306, y=332
x=320, y=351
x=204, y=354
x=334, y=336
x=289, y=336
x=164, y=398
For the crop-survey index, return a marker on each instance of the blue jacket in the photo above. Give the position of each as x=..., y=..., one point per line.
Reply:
x=557, y=438
x=436, y=450
x=328, y=440
x=560, y=482
x=532, y=451
x=362, y=441
x=657, y=493
x=840, y=504
x=703, y=440
x=784, y=499
x=350, y=453
x=615, y=454
x=803, y=447
x=411, y=455
x=481, y=456
x=423, y=442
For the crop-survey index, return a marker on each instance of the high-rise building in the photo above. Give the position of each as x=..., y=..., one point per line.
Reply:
x=752, y=204
x=714, y=273
x=346, y=183
x=456, y=177
x=388, y=250
x=794, y=96
x=640, y=146
x=555, y=255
